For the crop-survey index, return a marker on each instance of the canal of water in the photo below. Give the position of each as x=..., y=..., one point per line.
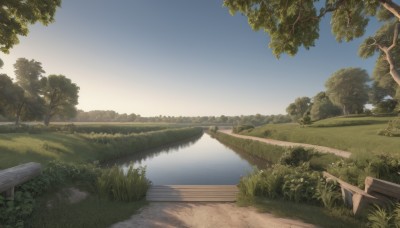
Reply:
x=200, y=161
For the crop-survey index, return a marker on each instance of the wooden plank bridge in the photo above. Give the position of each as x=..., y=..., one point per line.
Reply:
x=192, y=193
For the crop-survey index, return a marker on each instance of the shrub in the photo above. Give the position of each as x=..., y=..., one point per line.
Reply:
x=297, y=184
x=116, y=185
x=213, y=129
x=384, y=167
x=295, y=156
x=392, y=130
x=13, y=213
x=240, y=128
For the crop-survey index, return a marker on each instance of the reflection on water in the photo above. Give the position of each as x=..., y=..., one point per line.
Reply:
x=149, y=154
x=202, y=160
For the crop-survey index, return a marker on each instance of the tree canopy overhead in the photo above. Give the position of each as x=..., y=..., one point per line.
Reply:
x=295, y=23
x=16, y=15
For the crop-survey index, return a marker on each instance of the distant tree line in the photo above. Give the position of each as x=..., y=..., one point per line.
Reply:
x=347, y=92
x=34, y=96
x=112, y=116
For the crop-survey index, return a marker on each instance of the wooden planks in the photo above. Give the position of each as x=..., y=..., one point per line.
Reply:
x=192, y=193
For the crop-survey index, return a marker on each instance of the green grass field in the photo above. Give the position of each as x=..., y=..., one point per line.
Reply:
x=356, y=134
x=18, y=148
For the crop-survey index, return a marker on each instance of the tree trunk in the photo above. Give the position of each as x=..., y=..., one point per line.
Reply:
x=18, y=113
x=47, y=119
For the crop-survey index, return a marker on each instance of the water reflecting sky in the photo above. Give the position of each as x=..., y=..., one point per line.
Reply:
x=200, y=161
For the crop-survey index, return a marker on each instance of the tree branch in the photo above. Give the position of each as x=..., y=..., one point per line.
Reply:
x=331, y=8
x=392, y=7
x=392, y=69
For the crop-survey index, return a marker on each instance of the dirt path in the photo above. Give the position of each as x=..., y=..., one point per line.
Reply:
x=321, y=149
x=219, y=215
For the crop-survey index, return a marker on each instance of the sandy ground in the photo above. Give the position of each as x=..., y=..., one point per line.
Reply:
x=322, y=149
x=169, y=214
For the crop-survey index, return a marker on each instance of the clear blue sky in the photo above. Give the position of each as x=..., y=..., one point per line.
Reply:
x=177, y=57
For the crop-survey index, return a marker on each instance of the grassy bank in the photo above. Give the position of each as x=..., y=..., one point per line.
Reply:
x=357, y=135
x=38, y=202
x=257, y=149
x=271, y=153
x=18, y=148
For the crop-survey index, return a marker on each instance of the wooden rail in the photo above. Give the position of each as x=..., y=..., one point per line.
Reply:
x=354, y=196
x=11, y=177
x=193, y=193
x=381, y=187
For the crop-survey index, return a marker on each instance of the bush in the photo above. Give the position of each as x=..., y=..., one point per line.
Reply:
x=384, y=167
x=296, y=184
x=213, y=129
x=295, y=156
x=240, y=128
x=114, y=184
x=392, y=130
x=13, y=213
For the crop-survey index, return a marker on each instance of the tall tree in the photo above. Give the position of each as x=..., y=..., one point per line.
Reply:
x=293, y=24
x=323, y=107
x=16, y=15
x=348, y=89
x=28, y=73
x=299, y=108
x=10, y=96
x=384, y=99
x=60, y=96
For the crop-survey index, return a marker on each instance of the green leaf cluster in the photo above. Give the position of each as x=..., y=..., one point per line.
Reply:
x=16, y=15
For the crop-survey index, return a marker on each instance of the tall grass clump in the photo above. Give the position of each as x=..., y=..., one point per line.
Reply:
x=384, y=217
x=329, y=194
x=114, y=184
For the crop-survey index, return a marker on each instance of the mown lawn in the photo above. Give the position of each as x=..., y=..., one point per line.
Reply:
x=361, y=140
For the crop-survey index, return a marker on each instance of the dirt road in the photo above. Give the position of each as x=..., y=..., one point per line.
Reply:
x=168, y=215
x=321, y=149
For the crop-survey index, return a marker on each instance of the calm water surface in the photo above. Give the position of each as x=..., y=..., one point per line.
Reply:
x=203, y=160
